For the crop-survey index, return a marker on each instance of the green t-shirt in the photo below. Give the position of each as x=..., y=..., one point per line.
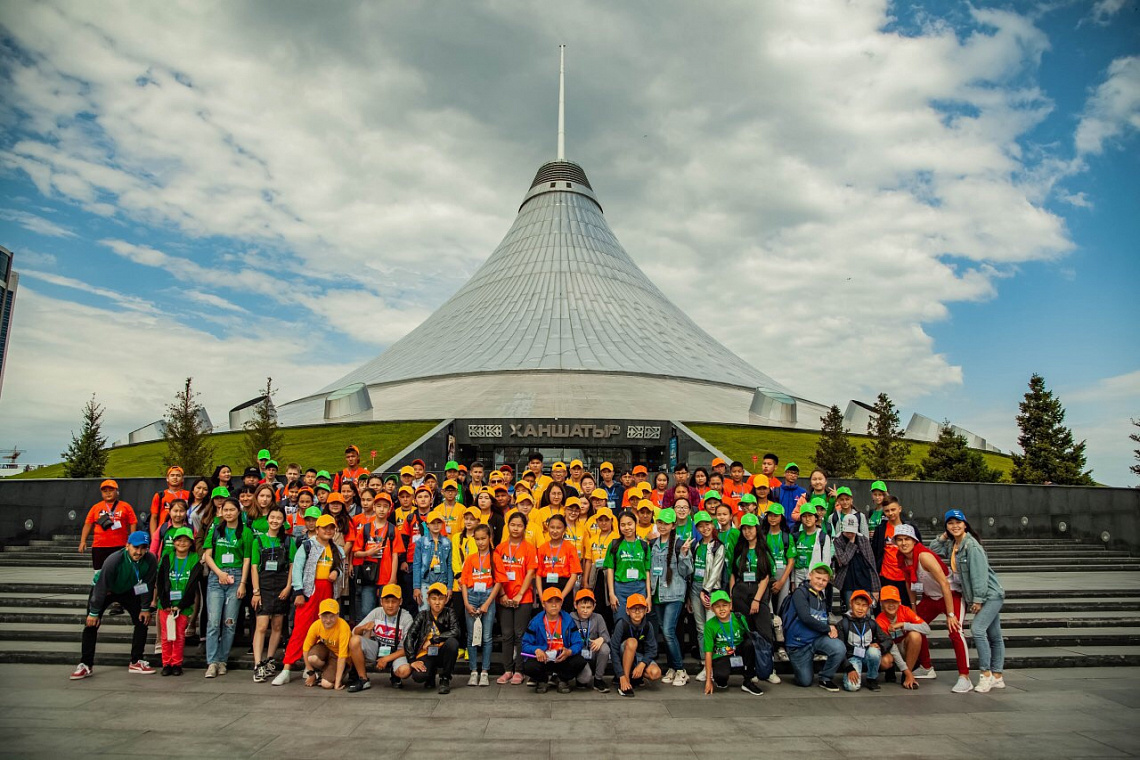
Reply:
x=230, y=550
x=629, y=560
x=874, y=519
x=267, y=549
x=748, y=572
x=782, y=549
x=729, y=539
x=722, y=639
x=179, y=574
x=805, y=544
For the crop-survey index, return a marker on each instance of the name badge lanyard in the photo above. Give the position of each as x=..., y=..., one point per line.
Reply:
x=860, y=650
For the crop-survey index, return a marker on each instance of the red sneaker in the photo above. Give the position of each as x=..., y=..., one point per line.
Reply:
x=142, y=667
x=81, y=671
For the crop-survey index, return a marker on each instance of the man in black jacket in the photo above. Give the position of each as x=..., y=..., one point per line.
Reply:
x=883, y=547
x=432, y=643
x=127, y=577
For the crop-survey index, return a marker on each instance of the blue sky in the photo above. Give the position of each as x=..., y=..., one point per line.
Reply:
x=932, y=200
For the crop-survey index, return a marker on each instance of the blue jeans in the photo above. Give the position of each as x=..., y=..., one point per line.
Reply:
x=477, y=598
x=986, y=630
x=801, y=659
x=366, y=600
x=624, y=590
x=666, y=614
x=868, y=663
x=222, y=607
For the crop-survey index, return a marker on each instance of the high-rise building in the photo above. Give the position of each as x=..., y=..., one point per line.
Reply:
x=8, y=281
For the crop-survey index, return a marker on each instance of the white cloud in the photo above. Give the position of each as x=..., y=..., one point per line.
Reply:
x=131, y=303
x=1103, y=11
x=213, y=301
x=60, y=352
x=34, y=223
x=1113, y=110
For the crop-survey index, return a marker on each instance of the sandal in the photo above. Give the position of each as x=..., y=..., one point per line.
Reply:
x=505, y=678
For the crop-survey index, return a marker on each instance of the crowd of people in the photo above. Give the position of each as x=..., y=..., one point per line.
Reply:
x=335, y=576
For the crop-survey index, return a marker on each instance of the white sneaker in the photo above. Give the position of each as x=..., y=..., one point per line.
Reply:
x=669, y=675
x=774, y=678
x=212, y=670
x=985, y=683
x=221, y=668
x=283, y=678
x=924, y=673
x=681, y=678
x=999, y=682
x=473, y=679
x=484, y=679
x=963, y=686
x=702, y=675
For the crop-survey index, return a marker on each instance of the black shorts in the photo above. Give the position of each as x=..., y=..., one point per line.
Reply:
x=271, y=586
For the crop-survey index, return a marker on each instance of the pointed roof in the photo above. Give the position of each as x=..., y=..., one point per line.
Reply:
x=559, y=293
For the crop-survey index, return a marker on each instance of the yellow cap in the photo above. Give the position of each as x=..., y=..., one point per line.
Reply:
x=598, y=493
x=573, y=501
x=406, y=489
x=330, y=605
x=434, y=515
x=450, y=484
x=521, y=497
x=576, y=463
x=437, y=588
x=324, y=520
x=407, y=471
x=607, y=466
x=645, y=504
x=558, y=466
x=392, y=589
x=523, y=485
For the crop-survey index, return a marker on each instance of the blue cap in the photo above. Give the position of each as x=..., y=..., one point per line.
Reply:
x=955, y=514
x=138, y=538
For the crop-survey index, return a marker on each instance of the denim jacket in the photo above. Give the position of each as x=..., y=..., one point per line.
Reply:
x=422, y=572
x=663, y=589
x=979, y=581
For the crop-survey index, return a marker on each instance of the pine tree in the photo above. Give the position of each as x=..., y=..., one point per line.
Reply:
x=951, y=459
x=186, y=442
x=1135, y=438
x=262, y=431
x=1050, y=455
x=835, y=454
x=86, y=456
x=886, y=455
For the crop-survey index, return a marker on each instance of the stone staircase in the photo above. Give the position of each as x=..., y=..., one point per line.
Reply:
x=1068, y=604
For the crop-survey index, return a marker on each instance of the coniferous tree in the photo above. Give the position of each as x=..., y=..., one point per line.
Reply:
x=86, y=456
x=1135, y=438
x=886, y=454
x=951, y=459
x=186, y=442
x=262, y=431
x=835, y=454
x=1049, y=453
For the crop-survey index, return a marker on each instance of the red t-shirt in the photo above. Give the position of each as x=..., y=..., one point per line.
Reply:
x=122, y=515
x=512, y=563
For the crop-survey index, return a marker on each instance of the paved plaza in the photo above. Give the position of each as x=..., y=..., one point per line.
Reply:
x=1061, y=713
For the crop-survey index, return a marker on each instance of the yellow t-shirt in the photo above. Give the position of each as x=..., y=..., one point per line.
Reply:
x=646, y=532
x=540, y=516
x=324, y=565
x=452, y=522
x=335, y=638
x=596, y=545
x=461, y=548
x=576, y=534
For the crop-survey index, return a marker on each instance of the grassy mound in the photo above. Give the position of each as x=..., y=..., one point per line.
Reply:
x=742, y=442
x=320, y=446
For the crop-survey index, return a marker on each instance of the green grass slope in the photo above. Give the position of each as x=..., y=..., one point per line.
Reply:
x=741, y=442
x=320, y=446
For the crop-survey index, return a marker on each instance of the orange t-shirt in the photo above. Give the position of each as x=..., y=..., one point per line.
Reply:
x=122, y=515
x=904, y=615
x=561, y=562
x=478, y=569
x=890, y=569
x=512, y=563
x=160, y=503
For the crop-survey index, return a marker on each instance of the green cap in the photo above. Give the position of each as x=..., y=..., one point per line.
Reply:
x=720, y=596
x=808, y=509
x=667, y=516
x=452, y=465
x=182, y=532
x=264, y=454
x=820, y=566
x=701, y=517
x=323, y=487
x=313, y=512
x=792, y=466
x=273, y=462
x=776, y=509
x=712, y=495
x=220, y=491
x=843, y=490
x=818, y=502
x=393, y=477
x=879, y=485
x=323, y=474
x=747, y=499
x=749, y=519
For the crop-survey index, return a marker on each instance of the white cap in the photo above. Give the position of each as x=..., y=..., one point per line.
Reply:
x=851, y=524
x=906, y=530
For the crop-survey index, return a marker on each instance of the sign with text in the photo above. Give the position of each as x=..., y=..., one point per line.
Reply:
x=558, y=431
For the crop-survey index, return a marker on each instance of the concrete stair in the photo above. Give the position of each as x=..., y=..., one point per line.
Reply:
x=1091, y=618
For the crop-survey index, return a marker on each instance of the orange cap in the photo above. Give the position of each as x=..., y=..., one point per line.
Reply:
x=384, y=495
x=584, y=594
x=173, y=468
x=108, y=484
x=334, y=498
x=888, y=593
x=640, y=470
x=636, y=600
x=717, y=461
x=551, y=593
x=352, y=447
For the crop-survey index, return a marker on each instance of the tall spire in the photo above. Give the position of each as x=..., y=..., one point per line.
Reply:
x=561, y=102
